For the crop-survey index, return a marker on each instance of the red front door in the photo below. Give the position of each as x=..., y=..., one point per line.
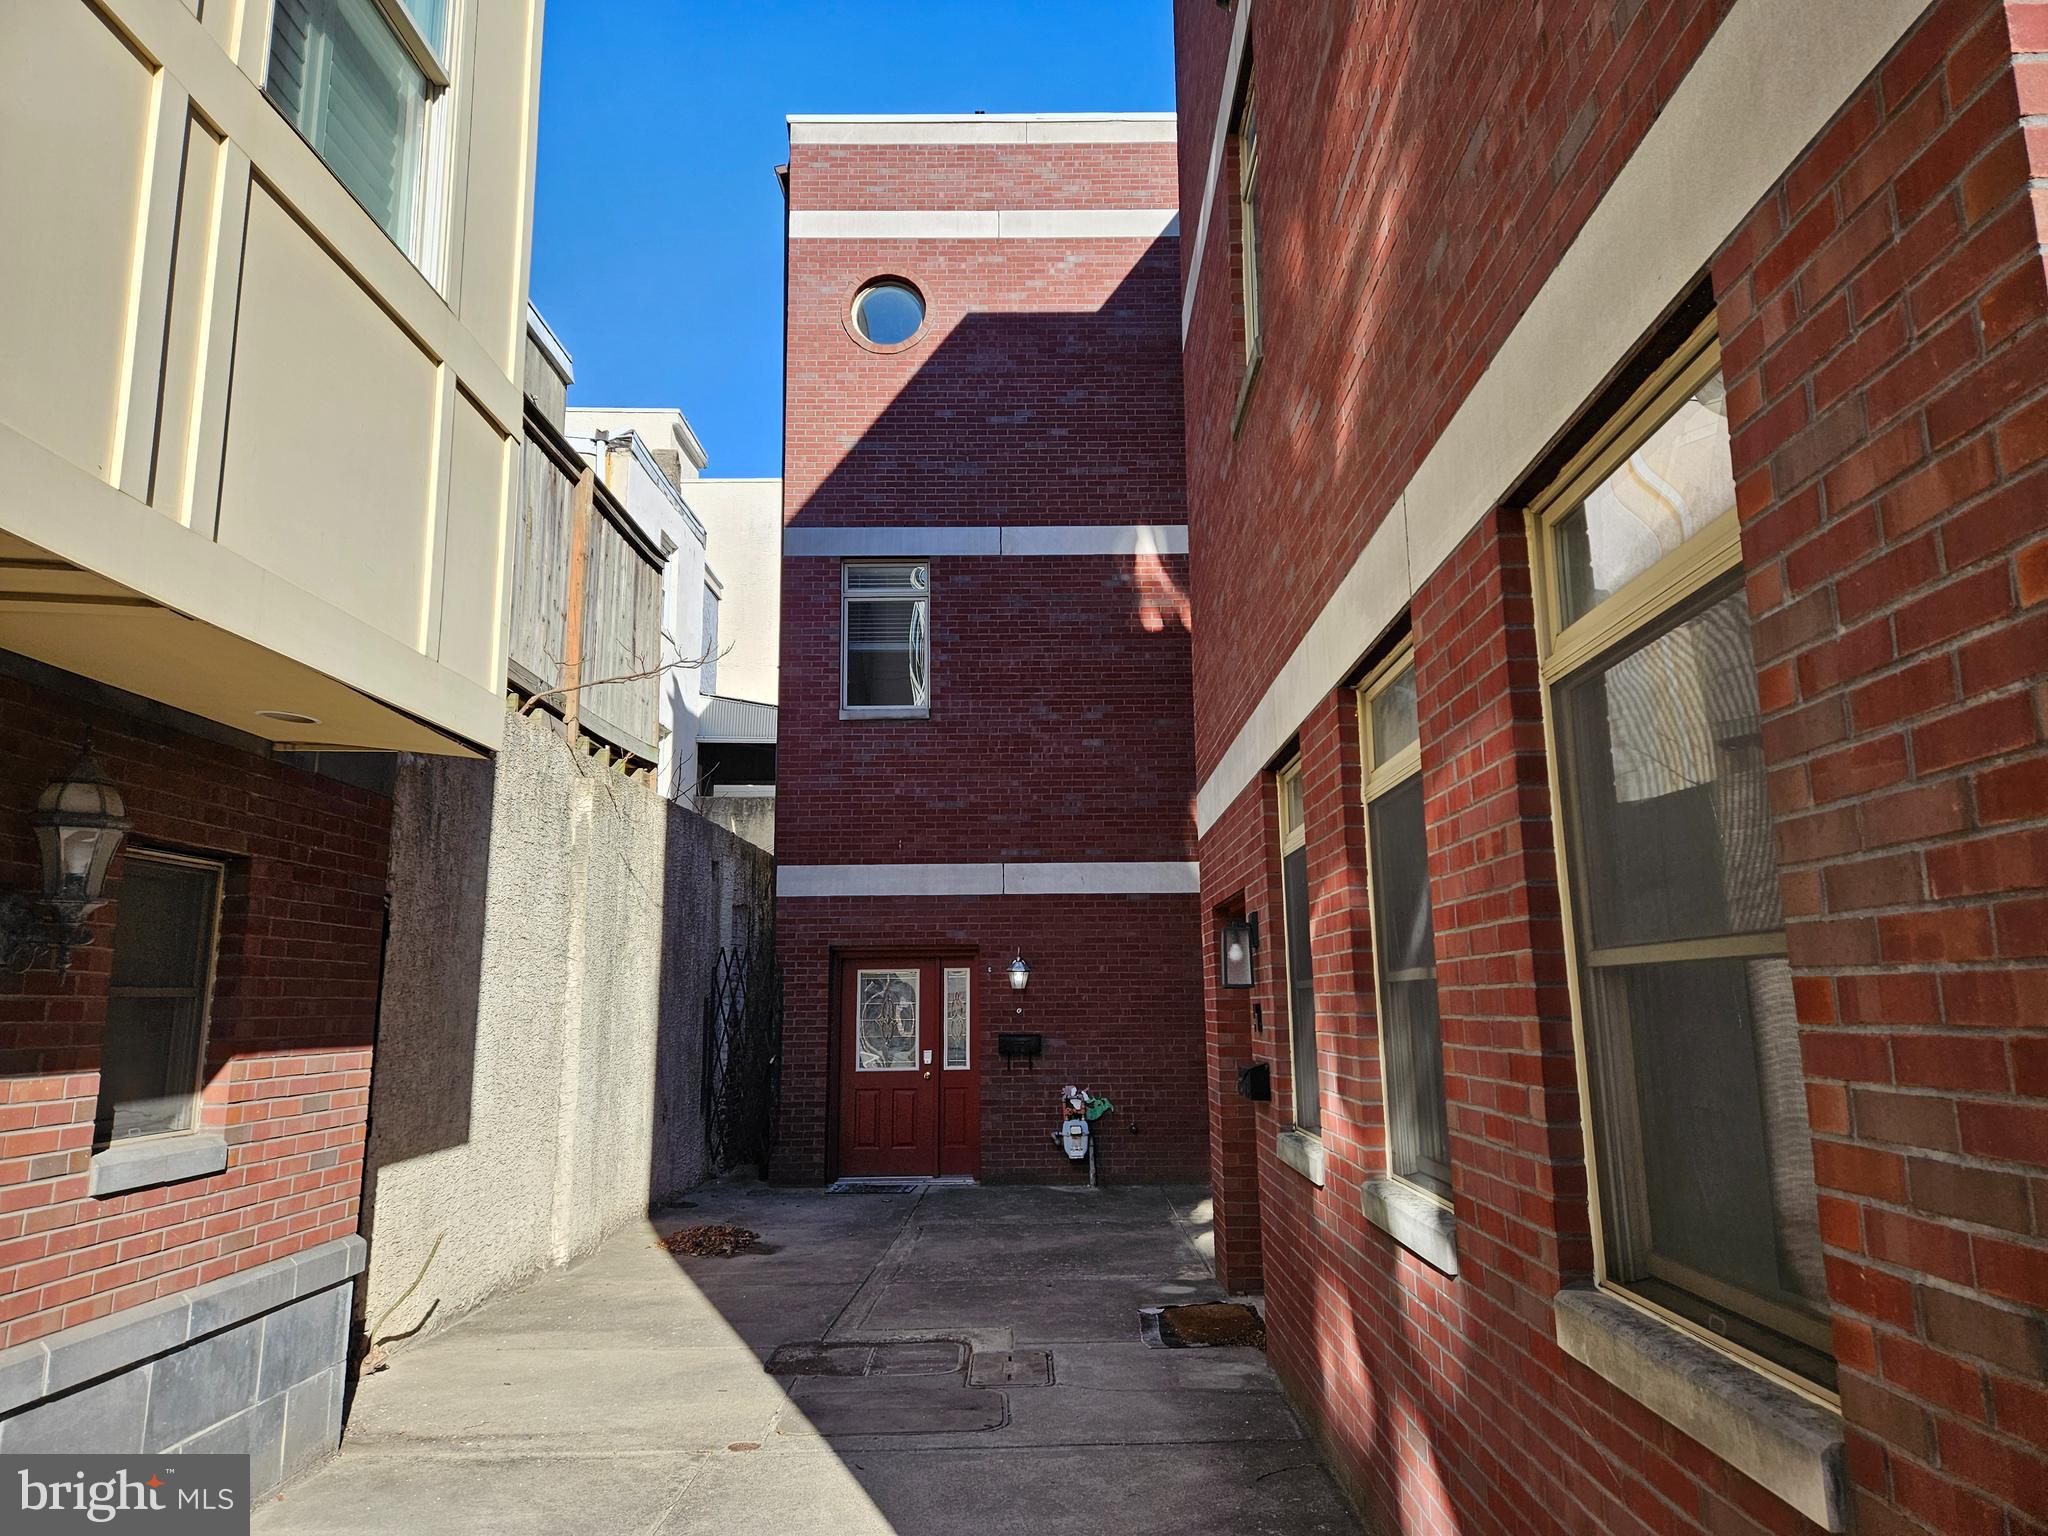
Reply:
x=908, y=1102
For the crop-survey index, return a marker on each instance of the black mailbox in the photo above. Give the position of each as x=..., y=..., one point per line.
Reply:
x=1255, y=1082
x=1020, y=1047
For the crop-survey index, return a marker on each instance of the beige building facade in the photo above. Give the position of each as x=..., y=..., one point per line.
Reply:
x=261, y=405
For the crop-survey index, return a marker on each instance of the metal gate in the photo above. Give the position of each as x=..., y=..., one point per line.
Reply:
x=742, y=1057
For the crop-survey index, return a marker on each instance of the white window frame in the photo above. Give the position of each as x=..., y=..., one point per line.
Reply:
x=1705, y=559
x=847, y=598
x=965, y=977
x=1244, y=137
x=203, y=995
x=1380, y=777
x=428, y=249
x=1246, y=133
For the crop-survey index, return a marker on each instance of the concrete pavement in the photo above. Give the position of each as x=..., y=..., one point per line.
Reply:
x=874, y=1370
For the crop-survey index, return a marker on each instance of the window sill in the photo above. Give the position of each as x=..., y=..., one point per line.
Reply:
x=1303, y=1153
x=1761, y=1427
x=1423, y=1226
x=156, y=1160
x=884, y=714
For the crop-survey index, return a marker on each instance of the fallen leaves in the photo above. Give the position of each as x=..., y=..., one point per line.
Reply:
x=710, y=1242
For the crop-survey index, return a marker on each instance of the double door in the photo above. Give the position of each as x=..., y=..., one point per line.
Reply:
x=908, y=1100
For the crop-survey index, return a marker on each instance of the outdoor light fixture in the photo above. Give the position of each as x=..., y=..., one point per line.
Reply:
x=1020, y=974
x=79, y=824
x=1239, y=951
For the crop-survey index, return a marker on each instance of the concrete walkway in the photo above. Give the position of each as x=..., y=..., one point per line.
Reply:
x=634, y=1392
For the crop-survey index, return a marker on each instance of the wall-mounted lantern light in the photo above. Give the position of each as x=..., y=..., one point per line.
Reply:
x=1239, y=951
x=79, y=824
x=1020, y=974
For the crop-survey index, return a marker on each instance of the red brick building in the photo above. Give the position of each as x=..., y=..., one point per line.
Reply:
x=986, y=749
x=1620, y=544
x=181, y=1133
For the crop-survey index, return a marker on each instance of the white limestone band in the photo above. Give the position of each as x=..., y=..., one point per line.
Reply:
x=985, y=128
x=1110, y=878
x=1036, y=539
x=983, y=223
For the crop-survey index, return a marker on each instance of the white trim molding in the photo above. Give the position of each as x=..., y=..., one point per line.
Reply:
x=984, y=224
x=1766, y=83
x=1033, y=539
x=1113, y=878
x=984, y=128
x=1233, y=69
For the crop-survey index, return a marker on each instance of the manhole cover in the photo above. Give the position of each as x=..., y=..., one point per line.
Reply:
x=1200, y=1325
x=1016, y=1368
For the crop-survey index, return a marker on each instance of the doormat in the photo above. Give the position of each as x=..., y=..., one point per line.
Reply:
x=1202, y=1325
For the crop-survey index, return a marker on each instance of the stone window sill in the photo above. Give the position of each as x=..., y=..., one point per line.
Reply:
x=1764, y=1429
x=1303, y=1153
x=156, y=1160
x=1425, y=1227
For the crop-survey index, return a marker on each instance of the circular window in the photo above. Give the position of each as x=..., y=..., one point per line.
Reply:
x=888, y=312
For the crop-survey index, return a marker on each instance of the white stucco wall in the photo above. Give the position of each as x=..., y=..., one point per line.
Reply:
x=540, y=1040
x=744, y=518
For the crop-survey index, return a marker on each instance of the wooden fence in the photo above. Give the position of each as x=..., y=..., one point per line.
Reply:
x=581, y=567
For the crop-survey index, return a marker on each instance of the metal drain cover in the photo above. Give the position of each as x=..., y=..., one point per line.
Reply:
x=1016, y=1368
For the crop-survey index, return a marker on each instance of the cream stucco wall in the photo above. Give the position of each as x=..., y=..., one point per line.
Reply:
x=229, y=397
x=745, y=522
x=541, y=1042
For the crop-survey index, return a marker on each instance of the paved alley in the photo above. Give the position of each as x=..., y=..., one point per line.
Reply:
x=871, y=1371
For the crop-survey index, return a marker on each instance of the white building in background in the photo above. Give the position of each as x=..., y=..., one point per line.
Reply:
x=646, y=457
x=745, y=519
x=736, y=737
x=721, y=607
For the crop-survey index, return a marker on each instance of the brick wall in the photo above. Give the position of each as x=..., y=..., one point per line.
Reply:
x=1045, y=391
x=1115, y=989
x=1424, y=168
x=287, y=1065
x=1059, y=726
x=1882, y=313
x=1886, y=324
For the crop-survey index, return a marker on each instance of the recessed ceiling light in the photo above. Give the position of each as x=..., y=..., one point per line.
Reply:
x=288, y=716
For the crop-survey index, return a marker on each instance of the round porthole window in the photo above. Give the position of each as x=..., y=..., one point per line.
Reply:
x=888, y=312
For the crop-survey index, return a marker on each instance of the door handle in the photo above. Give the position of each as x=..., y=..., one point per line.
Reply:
x=927, y=1077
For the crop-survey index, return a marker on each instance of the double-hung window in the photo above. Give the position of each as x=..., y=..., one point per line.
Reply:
x=1404, y=936
x=1301, y=987
x=165, y=929
x=1248, y=220
x=361, y=81
x=1689, y=1049
x=885, y=637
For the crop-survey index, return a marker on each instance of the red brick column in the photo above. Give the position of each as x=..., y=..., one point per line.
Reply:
x=1887, y=361
x=1517, y=1158
x=1233, y=1119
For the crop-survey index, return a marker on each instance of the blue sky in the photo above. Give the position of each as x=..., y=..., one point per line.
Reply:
x=657, y=246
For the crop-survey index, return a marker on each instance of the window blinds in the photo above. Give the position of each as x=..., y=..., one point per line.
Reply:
x=356, y=95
